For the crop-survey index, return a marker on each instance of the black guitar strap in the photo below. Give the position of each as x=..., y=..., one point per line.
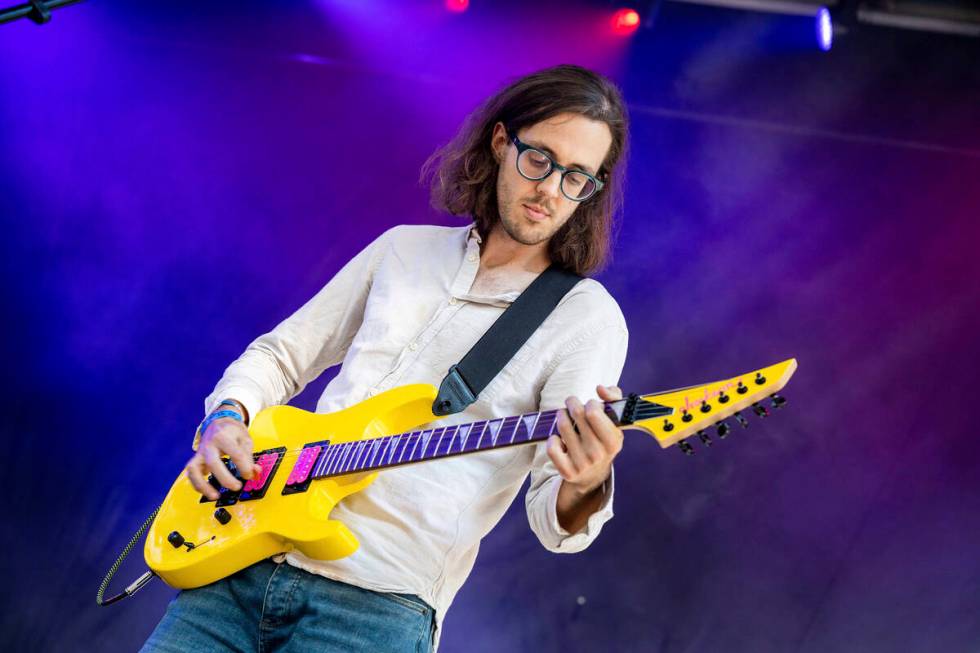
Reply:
x=467, y=379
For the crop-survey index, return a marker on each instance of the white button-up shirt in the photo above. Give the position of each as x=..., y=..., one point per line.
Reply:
x=401, y=312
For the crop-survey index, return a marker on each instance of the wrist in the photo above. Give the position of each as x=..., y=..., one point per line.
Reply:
x=235, y=405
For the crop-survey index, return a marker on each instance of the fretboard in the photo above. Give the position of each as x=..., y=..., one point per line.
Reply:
x=439, y=442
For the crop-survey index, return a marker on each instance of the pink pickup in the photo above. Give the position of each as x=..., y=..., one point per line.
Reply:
x=267, y=462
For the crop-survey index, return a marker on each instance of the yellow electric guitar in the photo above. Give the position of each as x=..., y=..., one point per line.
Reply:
x=310, y=462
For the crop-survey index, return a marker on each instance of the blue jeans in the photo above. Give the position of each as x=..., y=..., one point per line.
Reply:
x=277, y=607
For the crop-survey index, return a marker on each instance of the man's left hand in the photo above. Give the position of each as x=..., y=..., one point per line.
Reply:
x=589, y=441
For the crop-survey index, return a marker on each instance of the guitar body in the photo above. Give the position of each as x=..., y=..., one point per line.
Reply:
x=277, y=522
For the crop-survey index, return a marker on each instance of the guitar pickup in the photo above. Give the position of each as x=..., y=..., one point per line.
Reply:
x=254, y=488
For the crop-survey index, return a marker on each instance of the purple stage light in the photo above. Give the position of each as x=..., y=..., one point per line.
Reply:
x=825, y=29
x=457, y=6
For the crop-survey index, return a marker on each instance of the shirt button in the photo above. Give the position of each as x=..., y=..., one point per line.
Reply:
x=452, y=301
x=413, y=346
x=471, y=257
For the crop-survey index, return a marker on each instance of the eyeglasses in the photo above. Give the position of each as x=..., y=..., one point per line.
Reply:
x=535, y=165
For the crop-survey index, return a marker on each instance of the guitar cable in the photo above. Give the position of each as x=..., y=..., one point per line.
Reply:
x=137, y=584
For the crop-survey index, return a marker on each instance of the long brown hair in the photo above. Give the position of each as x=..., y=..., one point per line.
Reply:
x=463, y=173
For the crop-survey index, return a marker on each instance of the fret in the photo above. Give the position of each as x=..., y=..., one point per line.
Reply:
x=417, y=440
x=397, y=438
x=321, y=464
x=439, y=442
x=449, y=448
x=375, y=448
x=480, y=439
x=495, y=427
x=426, y=437
x=387, y=445
x=339, y=460
x=465, y=428
x=356, y=449
x=362, y=455
x=406, y=441
x=530, y=427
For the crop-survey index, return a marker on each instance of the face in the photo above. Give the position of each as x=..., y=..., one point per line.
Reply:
x=532, y=211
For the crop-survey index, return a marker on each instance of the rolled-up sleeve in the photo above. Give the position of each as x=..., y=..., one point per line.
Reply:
x=277, y=365
x=594, y=357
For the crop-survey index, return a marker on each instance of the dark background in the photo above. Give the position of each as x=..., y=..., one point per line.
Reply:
x=175, y=178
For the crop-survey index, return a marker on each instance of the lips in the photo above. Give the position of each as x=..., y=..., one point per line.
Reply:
x=535, y=211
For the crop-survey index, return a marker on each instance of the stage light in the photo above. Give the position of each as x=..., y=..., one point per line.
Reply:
x=825, y=29
x=457, y=6
x=625, y=21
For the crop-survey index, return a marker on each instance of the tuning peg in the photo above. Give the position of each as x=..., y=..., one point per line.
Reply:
x=760, y=410
x=744, y=423
x=778, y=401
x=759, y=379
x=741, y=389
x=722, y=398
x=705, y=407
x=723, y=429
x=686, y=448
x=704, y=438
x=686, y=416
x=668, y=427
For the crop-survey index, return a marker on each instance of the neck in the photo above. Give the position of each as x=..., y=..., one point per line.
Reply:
x=500, y=250
x=439, y=442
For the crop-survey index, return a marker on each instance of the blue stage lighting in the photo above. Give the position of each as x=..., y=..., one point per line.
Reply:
x=825, y=29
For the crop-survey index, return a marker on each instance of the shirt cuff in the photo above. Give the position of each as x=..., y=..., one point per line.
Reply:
x=581, y=539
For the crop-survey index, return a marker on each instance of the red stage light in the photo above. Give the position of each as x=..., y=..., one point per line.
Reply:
x=625, y=21
x=459, y=6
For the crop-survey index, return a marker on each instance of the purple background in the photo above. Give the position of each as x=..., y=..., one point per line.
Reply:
x=175, y=178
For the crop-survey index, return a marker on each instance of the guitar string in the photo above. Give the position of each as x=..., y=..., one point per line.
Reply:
x=643, y=413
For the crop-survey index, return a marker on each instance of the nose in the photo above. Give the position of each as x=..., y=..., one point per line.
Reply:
x=550, y=185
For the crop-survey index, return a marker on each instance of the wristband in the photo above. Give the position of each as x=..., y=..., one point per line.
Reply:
x=218, y=414
x=237, y=405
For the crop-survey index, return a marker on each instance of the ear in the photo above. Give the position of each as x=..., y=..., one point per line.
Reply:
x=499, y=141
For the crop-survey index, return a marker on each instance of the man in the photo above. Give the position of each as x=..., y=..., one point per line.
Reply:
x=538, y=168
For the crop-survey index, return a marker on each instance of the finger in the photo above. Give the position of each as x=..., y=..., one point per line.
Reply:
x=608, y=436
x=589, y=441
x=241, y=455
x=217, y=467
x=609, y=392
x=572, y=439
x=559, y=456
x=195, y=475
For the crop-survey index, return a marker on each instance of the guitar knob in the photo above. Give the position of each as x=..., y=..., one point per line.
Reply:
x=686, y=448
x=704, y=438
x=222, y=515
x=723, y=430
x=777, y=401
x=175, y=539
x=760, y=410
x=744, y=423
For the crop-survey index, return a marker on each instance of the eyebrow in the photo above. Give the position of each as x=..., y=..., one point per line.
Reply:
x=545, y=148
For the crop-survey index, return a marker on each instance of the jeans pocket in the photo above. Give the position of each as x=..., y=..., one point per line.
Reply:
x=408, y=601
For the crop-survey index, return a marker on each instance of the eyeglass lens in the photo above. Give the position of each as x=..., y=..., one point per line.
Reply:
x=535, y=165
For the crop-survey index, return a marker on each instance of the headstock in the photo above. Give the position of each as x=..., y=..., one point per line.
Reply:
x=673, y=415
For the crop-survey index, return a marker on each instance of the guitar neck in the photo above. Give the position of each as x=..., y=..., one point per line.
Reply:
x=441, y=442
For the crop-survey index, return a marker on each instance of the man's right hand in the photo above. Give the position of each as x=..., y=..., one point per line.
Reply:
x=223, y=437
